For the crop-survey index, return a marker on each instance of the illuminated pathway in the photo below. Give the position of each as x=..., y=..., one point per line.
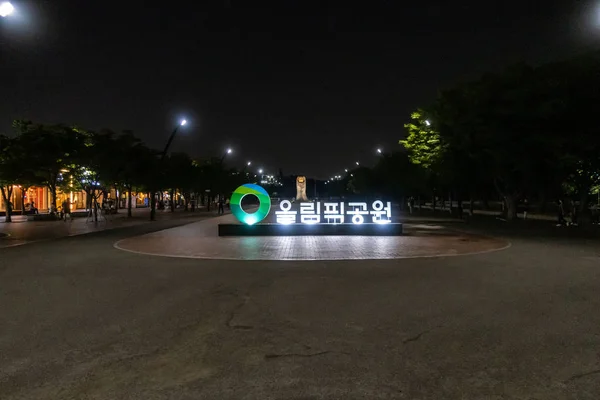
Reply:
x=200, y=240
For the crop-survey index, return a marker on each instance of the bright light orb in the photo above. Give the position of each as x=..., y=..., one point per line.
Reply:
x=6, y=9
x=379, y=151
x=183, y=122
x=427, y=122
x=229, y=151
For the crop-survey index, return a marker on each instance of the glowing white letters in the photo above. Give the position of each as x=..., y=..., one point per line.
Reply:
x=285, y=216
x=334, y=213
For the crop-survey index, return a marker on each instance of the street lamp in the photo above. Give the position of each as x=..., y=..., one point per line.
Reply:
x=249, y=163
x=427, y=122
x=357, y=163
x=183, y=122
x=346, y=169
x=6, y=9
x=260, y=171
x=228, y=151
x=379, y=151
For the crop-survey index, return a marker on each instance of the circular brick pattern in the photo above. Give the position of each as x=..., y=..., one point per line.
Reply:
x=199, y=240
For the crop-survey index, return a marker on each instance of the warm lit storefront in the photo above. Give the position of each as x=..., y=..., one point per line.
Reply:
x=25, y=196
x=41, y=199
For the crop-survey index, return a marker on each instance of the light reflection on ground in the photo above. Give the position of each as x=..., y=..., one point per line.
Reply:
x=199, y=240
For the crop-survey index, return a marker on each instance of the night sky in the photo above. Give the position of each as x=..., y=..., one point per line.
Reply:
x=301, y=86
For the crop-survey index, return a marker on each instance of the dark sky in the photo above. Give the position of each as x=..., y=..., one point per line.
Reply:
x=301, y=86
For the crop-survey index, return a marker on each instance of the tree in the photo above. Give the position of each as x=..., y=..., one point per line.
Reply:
x=51, y=149
x=129, y=164
x=11, y=166
x=91, y=167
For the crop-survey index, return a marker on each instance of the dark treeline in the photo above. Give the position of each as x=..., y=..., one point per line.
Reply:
x=67, y=158
x=524, y=133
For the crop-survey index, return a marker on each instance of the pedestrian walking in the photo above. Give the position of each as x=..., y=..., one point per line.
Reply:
x=221, y=205
x=561, y=214
x=574, y=214
x=66, y=210
x=525, y=208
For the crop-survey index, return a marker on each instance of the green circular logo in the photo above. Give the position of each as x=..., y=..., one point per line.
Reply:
x=264, y=203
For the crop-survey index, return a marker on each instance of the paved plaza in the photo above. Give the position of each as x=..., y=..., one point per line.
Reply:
x=200, y=240
x=82, y=318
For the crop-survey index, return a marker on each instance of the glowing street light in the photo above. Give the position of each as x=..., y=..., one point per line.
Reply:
x=379, y=151
x=249, y=163
x=346, y=169
x=357, y=163
x=228, y=151
x=183, y=122
x=260, y=171
x=6, y=9
x=427, y=122
x=162, y=157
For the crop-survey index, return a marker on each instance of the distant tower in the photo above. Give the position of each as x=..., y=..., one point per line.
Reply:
x=301, y=189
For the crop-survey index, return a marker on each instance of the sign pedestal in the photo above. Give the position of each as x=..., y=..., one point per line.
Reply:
x=310, y=230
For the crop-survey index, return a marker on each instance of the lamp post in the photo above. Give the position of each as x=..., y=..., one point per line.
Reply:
x=6, y=9
x=164, y=153
x=228, y=151
x=183, y=122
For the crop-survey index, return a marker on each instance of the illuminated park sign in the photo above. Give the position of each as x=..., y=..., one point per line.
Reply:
x=264, y=203
x=309, y=213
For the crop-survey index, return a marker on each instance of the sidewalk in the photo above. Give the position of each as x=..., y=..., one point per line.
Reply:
x=21, y=231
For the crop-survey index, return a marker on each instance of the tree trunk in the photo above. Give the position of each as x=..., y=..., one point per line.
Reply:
x=450, y=200
x=129, y=201
x=116, y=199
x=22, y=200
x=583, y=201
x=419, y=200
x=511, y=207
x=152, y=206
x=471, y=206
x=543, y=203
x=95, y=204
x=172, y=200
x=53, y=199
x=433, y=202
x=6, y=195
x=509, y=200
x=485, y=202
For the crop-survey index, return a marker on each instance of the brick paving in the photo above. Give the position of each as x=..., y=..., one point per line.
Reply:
x=200, y=240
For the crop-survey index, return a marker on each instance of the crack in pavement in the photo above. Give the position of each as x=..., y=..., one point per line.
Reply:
x=418, y=336
x=583, y=375
x=232, y=315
